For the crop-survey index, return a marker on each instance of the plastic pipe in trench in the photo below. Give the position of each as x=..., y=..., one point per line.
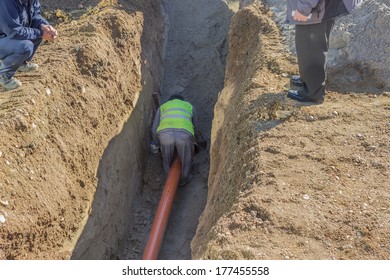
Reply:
x=163, y=211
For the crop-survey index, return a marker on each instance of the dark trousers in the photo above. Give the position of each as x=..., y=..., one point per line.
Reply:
x=312, y=44
x=183, y=142
x=14, y=53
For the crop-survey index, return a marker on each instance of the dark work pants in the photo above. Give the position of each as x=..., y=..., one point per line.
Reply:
x=14, y=53
x=184, y=144
x=312, y=44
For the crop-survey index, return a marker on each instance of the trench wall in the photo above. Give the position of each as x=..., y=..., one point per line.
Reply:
x=121, y=167
x=233, y=127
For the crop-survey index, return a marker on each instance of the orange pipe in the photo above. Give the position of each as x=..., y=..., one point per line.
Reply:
x=163, y=211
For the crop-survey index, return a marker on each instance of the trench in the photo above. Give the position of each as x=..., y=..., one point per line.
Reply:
x=188, y=55
x=195, y=55
x=131, y=179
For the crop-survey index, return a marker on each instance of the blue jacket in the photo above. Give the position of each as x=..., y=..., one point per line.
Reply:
x=21, y=19
x=319, y=10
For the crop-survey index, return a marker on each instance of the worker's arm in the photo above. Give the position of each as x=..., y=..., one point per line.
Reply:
x=304, y=7
x=10, y=23
x=198, y=135
x=156, y=123
x=37, y=20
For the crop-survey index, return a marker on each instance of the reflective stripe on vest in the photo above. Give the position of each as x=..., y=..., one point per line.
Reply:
x=176, y=114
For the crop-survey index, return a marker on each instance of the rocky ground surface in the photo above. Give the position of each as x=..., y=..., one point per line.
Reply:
x=281, y=181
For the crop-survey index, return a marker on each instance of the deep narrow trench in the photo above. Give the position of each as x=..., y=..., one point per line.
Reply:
x=196, y=51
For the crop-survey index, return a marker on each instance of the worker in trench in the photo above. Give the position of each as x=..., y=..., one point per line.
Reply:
x=176, y=127
x=22, y=29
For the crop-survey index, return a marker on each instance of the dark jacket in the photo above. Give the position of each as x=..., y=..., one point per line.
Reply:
x=319, y=10
x=21, y=19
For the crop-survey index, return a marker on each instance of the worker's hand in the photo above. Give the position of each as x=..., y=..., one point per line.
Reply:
x=53, y=32
x=49, y=32
x=154, y=148
x=299, y=17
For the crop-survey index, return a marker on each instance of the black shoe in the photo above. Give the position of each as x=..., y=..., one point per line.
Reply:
x=294, y=94
x=296, y=82
x=184, y=182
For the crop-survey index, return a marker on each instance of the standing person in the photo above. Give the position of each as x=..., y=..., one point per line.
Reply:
x=175, y=126
x=314, y=20
x=22, y=29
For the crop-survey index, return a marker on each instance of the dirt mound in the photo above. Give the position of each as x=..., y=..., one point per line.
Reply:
x=360, y=47
x=55, y=129
x=290, y=182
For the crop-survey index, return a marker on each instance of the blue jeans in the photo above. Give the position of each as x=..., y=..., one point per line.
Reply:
x=14, y=53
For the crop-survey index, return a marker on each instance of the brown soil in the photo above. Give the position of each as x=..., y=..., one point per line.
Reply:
x=286, y=182
x=55, y=129
x=290, y=182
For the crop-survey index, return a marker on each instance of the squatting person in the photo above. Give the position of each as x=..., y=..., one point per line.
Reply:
x=22, y=29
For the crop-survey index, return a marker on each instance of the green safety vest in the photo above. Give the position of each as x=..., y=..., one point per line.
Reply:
x=176, y=114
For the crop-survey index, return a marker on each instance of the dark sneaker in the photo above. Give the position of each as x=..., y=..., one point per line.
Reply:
x=294, y=94
x=28, y=67
x=296, y=82
x=9, y=84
